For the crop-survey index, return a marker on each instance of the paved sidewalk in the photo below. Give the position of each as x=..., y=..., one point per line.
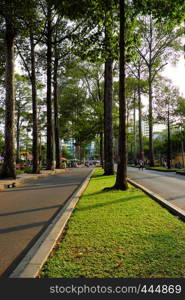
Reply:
x=26, y=212
x=25, y=178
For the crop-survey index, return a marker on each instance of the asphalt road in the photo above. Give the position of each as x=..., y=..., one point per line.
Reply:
x=170, y=186
x=26, y=211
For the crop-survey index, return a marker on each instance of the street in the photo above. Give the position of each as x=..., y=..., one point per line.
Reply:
x=170, y=186
x=26, y=212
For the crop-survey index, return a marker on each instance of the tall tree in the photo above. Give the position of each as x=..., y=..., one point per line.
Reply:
x=93, y=82
x=121, y=176
x=26, y=50
x=90, y=43
x=165, y=107
x=22, y=108
x=136, y=67
x=108, y=93
x=62, y=31
x=131, y=96
x=8, y=169
x=34, y=105
x=158, y=40
x=50, y=137
x=55, y=100
x=13, y=13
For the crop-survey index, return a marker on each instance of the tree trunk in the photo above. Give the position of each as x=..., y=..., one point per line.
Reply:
x=135, y=137
x=101, y=148
x=56, y=124
x=150, y=117
x=108, y=130
x=140, y=118
x=169, y=154
x=50, y=156
x=151, y=147
x=35, y=158
x=8, y=169
x=182, y=146
x=121, y=177
x=77, y=150
x=18, y=135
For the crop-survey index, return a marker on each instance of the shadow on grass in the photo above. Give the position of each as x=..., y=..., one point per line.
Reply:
x=98, y=205
x=95, y=177
x=104, y=191
x=92, y=194
x=109, y=189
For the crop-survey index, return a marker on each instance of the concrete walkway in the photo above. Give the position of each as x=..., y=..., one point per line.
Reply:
x=25, y=178
x=26, y=211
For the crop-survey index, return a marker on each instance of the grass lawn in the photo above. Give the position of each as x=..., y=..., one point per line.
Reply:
x=118, y=234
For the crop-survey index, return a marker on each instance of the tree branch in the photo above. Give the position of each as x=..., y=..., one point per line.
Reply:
x=131, y=71
x=156, y=71
x=142, y=55
x=24, y=62
x=69, y=34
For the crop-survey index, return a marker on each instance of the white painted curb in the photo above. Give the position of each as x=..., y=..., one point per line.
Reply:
x=171, y=207
x=31, y=264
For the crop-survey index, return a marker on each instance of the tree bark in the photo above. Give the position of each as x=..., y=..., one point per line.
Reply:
x=77, y=150
x=50, y=156
x=169, y=154
x=121, y=177
x=151, y=147
x=101, y=148
x=35, y=158
x=18, y=135
x=150, y=117
x=182, y=146
x=108, y=130
x=140, y=117
x=8, y=169
x=56, y=123
x=135, y=137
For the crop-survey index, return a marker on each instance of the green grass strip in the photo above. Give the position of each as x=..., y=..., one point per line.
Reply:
x=118, y=234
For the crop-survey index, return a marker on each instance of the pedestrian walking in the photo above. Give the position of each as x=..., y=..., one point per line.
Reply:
x=141, y=165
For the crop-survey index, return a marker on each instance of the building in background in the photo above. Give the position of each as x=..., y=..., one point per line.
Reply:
x=145, y=128
x=70, y=145
x=91, y=151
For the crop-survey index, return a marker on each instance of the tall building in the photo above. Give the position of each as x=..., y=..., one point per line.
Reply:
x=145, y=128
x=91, y=151
x=156, y=129
x=69, y=144
x=71, y=148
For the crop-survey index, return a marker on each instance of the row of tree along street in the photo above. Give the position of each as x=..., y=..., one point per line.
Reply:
x=68, y=58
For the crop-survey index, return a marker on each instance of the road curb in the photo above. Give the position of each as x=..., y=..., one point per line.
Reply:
x=171, y=207
x=180, y=173
x=31, y=264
